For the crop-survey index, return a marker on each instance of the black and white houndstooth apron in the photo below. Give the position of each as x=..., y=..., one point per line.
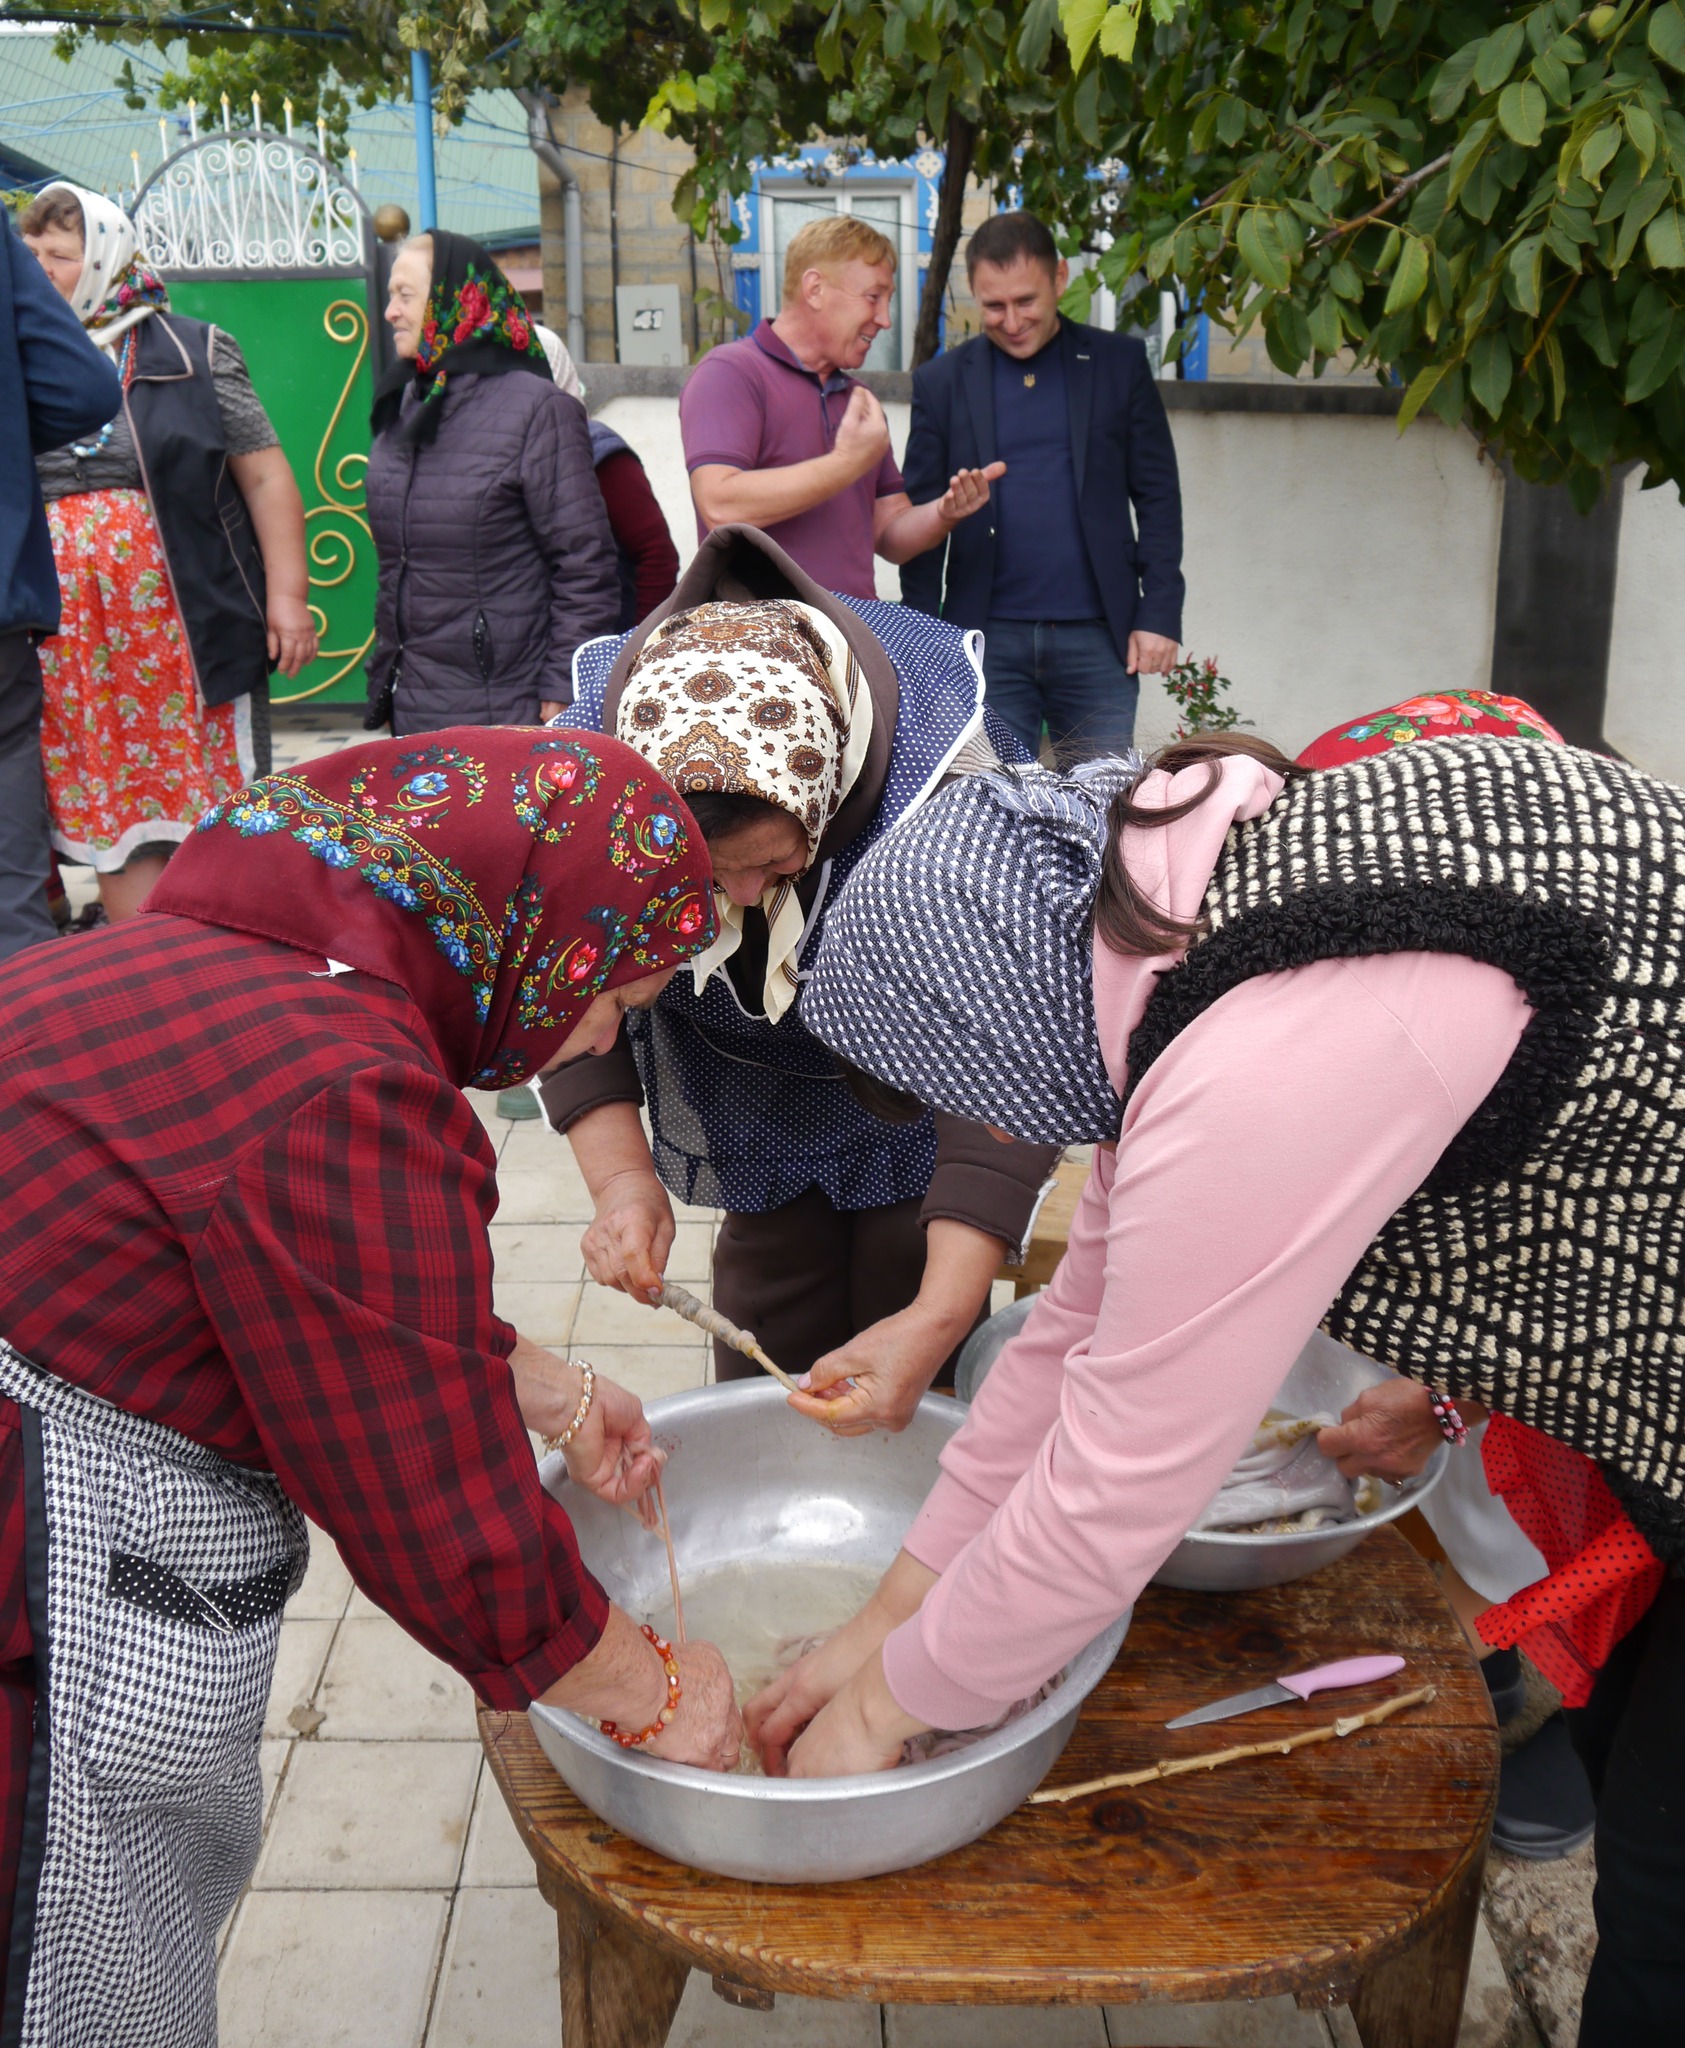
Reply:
x=157, y=1573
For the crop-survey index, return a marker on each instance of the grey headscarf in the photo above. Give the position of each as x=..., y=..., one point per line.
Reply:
x=958, y=961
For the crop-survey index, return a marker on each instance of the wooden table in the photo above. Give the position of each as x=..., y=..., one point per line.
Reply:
x=1346, y=1872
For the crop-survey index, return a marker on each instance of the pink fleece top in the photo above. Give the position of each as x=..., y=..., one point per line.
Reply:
x=1257, y=1160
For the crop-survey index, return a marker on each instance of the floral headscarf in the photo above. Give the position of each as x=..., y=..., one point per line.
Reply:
x=475, y=323
x=502, y=875
x=1441, y=715
x=116, y=289
x=763, y=700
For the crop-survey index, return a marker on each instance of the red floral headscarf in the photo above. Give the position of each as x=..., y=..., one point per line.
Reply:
x=1440, y=715
x=502, y=875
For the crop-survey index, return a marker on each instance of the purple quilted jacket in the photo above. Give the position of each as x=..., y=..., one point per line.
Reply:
x=496, y=558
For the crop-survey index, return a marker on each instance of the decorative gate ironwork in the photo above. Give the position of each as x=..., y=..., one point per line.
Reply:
x=261, y=234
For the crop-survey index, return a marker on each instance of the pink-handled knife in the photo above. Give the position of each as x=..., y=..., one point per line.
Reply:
x=1299, y=1685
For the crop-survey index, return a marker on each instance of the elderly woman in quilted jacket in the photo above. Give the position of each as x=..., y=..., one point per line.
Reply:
x=496, y=556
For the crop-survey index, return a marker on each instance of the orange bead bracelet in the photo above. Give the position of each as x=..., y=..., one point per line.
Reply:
x=674, y=1695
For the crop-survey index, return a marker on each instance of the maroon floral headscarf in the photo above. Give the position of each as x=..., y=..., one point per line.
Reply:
x=503, y=875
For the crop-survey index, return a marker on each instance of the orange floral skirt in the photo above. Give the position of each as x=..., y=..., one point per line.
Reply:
x=132, y=757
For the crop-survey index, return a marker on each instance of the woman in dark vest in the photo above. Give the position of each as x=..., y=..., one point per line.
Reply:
x=496, y=559
x=1396, y=1047
x=179, y=536
x=801, y=727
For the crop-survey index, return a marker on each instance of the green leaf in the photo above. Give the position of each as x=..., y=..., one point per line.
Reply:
x=1346, y=279
x=1327, y=333
x=1035, y=38
x=1451, y=81
x=1117, y=31
x=827, y=45
x=1655, y=359
x=1645, y=203
x=1081, y=19
x=1231, y=120
x=894, y=35
x=1664, y=240
x=1261, y=248
x=1667, y=35
x=1421, y=390
x=1552, y=74
x=1641, y=133
x=1522, y=112
x=1524, y=263
x=1490, y=370
x=1085, y=105
x=1409, y=280
x=1497, y=55
x=923, y=41
x=1599, y=151
x=1471, y=145
x=715, y=14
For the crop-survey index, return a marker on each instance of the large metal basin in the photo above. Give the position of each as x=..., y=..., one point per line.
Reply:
x=749, y=1479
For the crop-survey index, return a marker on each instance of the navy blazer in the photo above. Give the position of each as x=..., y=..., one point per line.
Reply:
x=1122, y=454
x=54, y=386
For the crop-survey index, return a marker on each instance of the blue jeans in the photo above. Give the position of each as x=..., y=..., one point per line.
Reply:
x=1065, y=674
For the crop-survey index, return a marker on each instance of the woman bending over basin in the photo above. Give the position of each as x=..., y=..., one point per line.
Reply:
x=1395, y=1047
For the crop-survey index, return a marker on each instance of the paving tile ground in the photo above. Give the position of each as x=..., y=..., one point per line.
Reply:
x=393, y=1905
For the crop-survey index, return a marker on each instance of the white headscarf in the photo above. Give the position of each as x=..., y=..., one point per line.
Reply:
x=562, y=366
x=762, y=700
x=109, y=246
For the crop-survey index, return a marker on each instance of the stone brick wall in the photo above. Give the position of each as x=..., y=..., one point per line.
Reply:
x=655, y=245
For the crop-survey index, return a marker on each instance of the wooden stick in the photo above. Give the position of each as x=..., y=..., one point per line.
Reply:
x=1174, y=1767
x=683, y=1303
x=672, y=1562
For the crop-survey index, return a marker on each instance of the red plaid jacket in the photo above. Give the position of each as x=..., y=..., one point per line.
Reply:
x=240, y=1199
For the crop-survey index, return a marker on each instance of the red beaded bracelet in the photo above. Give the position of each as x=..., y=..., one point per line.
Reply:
x=1451, y=1424
x=674, y=1695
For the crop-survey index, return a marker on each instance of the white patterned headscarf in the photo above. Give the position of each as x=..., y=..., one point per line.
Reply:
x=958, y=963
x=763, y=700
x=109, y=248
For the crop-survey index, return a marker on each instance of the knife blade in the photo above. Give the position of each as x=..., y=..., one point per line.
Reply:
x=1297, y=1685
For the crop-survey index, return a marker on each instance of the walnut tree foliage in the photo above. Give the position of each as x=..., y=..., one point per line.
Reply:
x=1487, y=201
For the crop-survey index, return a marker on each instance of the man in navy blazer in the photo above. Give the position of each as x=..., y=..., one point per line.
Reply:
x=1074, y=598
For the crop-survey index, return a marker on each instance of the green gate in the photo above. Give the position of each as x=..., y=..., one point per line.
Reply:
x=261, y=235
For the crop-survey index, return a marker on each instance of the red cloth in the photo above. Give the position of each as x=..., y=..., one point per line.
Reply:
x=1603, y=1575
x=640, y=528
x=1441, y=714
x=503, y=875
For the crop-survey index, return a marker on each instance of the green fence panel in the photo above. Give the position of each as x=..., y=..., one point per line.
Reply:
x=306, y=341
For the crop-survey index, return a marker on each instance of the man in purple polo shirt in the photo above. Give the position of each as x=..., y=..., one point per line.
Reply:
x=778, y=435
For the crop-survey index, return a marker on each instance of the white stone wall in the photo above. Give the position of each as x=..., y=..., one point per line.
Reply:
x=1646, y=717
x=1335, y=566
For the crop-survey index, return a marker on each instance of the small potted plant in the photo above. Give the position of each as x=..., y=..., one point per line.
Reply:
x=1197, y=688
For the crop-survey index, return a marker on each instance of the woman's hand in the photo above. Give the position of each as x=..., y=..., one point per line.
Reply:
x=631, y=1235
x=612, y=1455
x=622, y=1680
x=876, y=1380
x=778, y=1713
x=708, y=1729
x=292, y=633
x=861, y=1730
x=1389, y=1431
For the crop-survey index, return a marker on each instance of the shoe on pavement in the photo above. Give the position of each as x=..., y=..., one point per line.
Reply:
x=518, y=1105
x=1504, y=1681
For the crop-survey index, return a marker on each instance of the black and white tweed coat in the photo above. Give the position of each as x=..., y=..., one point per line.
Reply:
x=1538, y=1268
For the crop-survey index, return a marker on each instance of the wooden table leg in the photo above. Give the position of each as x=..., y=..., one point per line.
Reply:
x=1416, y=2000
x=619, y=1989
